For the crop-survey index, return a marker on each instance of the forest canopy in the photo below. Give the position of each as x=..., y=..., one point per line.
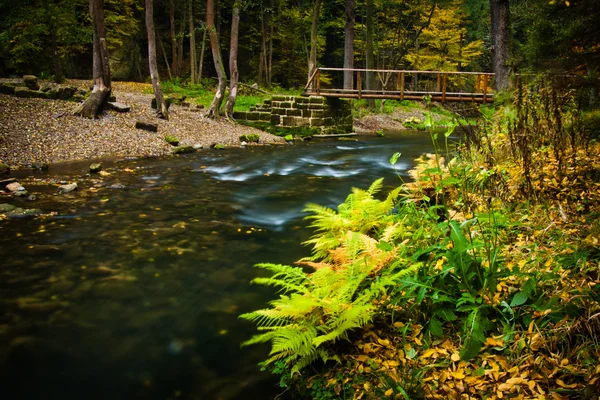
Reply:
x=275, y=37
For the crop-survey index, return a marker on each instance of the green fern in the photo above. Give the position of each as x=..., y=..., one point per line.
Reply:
x=358, y=262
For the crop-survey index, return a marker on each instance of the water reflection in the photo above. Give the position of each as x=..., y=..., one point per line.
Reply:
x=133, y=290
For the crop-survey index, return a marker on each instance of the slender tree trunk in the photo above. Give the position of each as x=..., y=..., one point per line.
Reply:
x=202, y=50
x=192, y=44
x=213, y=111
x=261, y=59
x=161, y=106
x=270, y=58
x=164, y=53
x=181, y=36
x=233, y=59
x=173, y=37
x=312, y=61
x=349, y=45
x=94, y=104
x=370, y=56
x=58, y=75
x=500, y=14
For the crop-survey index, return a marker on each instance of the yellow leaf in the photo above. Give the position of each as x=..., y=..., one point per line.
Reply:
x=455, y=357
x=428, y=353
x=367, y=386
x=383, y=342
x=458, y=374
x=389, y=392
x=362, y=358
x=565, y=385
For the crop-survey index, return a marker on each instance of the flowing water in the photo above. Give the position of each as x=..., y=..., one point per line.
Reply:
x=133, y=289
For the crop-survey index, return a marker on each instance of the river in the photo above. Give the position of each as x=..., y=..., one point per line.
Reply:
x=133, y=289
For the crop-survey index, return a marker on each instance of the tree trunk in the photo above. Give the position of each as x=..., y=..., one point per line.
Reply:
x=213, y=111
x=500, y=14
x=164, y=53
x=94, y=104
x=180, y=44
x=58, y=75
x=173, y=37
x=312, y=61
x=233, y=59
x=349, y=45
x=261, y=56
x=192, y=44
x=202, y=49
x=161, y=106
x=370, y=56
x=270, y=58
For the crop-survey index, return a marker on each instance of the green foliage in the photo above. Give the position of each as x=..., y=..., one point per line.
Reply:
x=172, y=140
x=316, y=309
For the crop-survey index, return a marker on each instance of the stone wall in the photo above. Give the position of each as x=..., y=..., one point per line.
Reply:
x=320, y=114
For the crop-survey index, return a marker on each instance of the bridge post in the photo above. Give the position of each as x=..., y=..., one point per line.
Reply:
x=438, y=86
x=485, y=88
x=359, y=84
x=444, y=87
x=318, y=81
x=401, y=85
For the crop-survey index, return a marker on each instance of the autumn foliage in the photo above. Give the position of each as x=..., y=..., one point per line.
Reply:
x=498, y=247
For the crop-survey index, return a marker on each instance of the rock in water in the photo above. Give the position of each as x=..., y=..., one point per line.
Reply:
x=4, y=168
x=41, y=166
x=15, y=186
x=67, y=188
x=146, y=126
x=95, y=168
x=31, y=82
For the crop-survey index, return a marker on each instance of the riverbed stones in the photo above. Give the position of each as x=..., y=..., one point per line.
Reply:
x=95, y=168
x=39, y=166
x=31, y=82
x=117, y=290
x=184, y=150
x=14, y=187
x=35, y=305
x=68, y=188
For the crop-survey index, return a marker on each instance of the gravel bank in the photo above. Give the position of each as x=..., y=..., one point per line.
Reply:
x=35, y=130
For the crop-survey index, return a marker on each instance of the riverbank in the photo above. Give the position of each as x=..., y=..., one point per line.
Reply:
x=45, y=131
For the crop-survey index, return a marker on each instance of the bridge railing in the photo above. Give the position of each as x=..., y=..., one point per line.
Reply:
x=403, y=84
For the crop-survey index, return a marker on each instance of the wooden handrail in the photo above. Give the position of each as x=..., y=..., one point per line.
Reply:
x=311, y=78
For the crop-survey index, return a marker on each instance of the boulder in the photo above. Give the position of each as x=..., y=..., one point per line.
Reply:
x=67, y=188
x=184, y=150
x=95, y=168
x=20, y=213
x=15, y=186
x=118, y=107
x=31, y=82
x=66, y=92
x=172, y=140
x=7, y=88
x=146, y=126
x=49, y=86
x=21, y=193
x=39, y=166
x=23, y=92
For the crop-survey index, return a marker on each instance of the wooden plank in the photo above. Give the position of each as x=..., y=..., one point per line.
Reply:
x=318, y=81
x=311, y=79
x=359, y=83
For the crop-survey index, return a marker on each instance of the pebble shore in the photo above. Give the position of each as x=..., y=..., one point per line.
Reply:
x=37, y=130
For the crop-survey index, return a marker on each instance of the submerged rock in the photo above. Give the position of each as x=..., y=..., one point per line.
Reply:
x=67, y=188
x=19, y=213
x=4, y=168
x=117, y=289
x=95, y=168
x=5, y=207
x=35, y=305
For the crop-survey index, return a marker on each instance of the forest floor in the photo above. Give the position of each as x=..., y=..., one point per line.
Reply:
x=37, y=130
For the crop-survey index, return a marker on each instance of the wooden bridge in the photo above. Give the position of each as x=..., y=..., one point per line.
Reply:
x=404, y=84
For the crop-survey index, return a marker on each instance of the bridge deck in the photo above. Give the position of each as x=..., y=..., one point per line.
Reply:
x=405, y=84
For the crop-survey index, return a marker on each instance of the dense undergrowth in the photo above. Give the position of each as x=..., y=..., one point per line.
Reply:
x=477, y=279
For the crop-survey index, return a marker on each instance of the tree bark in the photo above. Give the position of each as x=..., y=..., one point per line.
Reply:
x=202, y=50
x=349, y=45
x=180, y=44
x=58, y=75
x=312, y=61
x=261, y=56
x=233, y=59
x=270, y=58
x=500, y=14
x=161, y=106
x=370, y=55
x=173, y=37
x=94, y=104
x=192, y=44
x=215, y=105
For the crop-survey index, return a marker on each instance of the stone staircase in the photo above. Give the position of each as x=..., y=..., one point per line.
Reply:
x=323, y=115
